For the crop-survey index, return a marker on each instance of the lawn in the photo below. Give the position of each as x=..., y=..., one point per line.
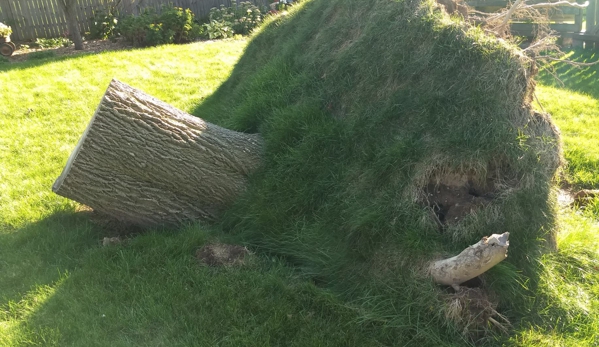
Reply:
x=60, y=287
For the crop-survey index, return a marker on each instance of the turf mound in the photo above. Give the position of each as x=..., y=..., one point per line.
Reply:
x=376, y=116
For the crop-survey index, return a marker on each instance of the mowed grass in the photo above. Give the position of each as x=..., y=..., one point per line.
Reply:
x=573, y=100
x=571, y=275
x=46, y=104
x=59, y=286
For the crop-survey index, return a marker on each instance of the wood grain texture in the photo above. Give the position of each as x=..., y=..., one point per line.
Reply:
x=471, y=262
x=144, y=162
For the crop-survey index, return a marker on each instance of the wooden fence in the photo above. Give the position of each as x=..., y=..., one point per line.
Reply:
x=568, y=21
x=31, y=19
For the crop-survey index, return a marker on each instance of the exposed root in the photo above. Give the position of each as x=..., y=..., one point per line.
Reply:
x=585, y=196
x=475, y=312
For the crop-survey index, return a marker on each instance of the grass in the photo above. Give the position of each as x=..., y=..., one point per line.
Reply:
x=350, y=145
x=571, y=276
x=574, y=102
x=59, y=286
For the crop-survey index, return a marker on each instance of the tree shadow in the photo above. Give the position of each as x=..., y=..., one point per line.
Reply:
x=38, y=253
x=42, y=57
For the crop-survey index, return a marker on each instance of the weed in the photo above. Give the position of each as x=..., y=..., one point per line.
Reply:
x=52, y=42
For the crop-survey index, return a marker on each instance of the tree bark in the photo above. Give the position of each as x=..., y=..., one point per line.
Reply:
x=68, y=7
x=144, y=162
x=472, y=262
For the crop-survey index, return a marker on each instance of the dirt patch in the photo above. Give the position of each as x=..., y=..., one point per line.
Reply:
x=218, y=254
x=111, y=241
x=452, y=197
x=565, y=198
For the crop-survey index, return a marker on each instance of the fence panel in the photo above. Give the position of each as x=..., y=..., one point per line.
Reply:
x=31, y=19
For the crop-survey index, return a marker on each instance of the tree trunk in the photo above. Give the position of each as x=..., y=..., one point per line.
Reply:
x=144, y=162
x=68, y=7
x=472, y=262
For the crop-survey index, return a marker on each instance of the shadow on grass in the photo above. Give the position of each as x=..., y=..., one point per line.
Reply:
x=40, y=58
x=64, y=288
x=38, y=253
x=580, y=79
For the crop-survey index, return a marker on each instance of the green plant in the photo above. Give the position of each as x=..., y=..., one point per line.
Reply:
x=224, y=22
x=247, y=17
x=135, y=28
x=5, y=30
x=157, y=35
x=218, y=30
x=103, y=24
x=173, y=25
x=180, y=24
x=53, y=42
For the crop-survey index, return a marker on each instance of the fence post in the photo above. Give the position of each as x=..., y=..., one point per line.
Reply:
x=591, y=12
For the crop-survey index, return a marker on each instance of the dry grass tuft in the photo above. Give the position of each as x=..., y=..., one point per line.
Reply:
x=219, y=254
x=474, y=310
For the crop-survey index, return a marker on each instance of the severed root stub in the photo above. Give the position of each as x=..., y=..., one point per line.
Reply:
x=472, y=262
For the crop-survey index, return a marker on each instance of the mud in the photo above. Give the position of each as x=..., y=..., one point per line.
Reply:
x=453, y=197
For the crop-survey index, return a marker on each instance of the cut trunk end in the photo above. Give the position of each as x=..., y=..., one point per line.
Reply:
x=146, y=163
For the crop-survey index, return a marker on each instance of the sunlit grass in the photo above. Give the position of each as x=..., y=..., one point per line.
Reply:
x=58, y=286
x=46, y=104
x=570, y=276
x=577, y=116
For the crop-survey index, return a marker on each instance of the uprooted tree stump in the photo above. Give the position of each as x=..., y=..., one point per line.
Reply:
x=141, y=161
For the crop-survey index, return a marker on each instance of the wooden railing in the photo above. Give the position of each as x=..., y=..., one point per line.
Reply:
x=581, y=25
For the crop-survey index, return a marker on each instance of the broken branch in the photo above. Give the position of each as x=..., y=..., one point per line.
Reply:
x=472, y=262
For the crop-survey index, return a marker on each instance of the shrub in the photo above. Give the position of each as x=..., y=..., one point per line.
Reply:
x=227, y=21
x=103, y=24
x=135, y=29
x=218, y=30
x=173, y=25
x=180, y=23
